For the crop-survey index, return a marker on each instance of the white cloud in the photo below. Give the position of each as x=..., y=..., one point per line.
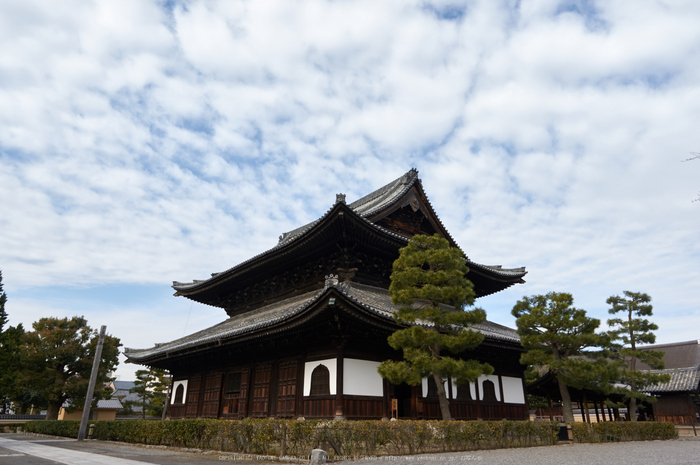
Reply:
x=143, y=145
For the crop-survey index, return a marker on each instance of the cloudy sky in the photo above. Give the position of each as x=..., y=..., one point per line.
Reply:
x=143, y=142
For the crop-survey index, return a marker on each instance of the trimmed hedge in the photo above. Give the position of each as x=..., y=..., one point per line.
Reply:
x=350, y=438
x=298, y=438
x=623, y=431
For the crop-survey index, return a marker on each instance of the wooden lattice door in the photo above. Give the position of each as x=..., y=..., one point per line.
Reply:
x=261, y=391
x=212, y=394
x=287, y=389
x=193, y=397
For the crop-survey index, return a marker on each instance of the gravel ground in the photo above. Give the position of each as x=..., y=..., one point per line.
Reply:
x=676, y=452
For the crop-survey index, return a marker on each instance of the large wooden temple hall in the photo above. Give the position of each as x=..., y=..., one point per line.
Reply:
x=308, y=322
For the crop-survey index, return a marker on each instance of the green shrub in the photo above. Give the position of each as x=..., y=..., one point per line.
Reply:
x=623, y=431
x=64, y=428
x=350, y=438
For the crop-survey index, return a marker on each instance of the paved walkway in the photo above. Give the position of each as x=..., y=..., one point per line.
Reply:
x=56, y=454
x=17, y=449
x=684, y=451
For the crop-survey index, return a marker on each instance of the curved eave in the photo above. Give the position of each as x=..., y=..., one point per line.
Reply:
x=505, y=276
x=369, y=209
x=339, y=211
x=281, y=316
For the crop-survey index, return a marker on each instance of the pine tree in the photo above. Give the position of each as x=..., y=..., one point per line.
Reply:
x=428, y=282
x=3, y=300
x=150, y=385
x=626, y=335
x=556, y=335
x=58, y=357
x=10, y=352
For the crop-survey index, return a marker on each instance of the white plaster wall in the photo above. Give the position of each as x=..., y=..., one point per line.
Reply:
x=472, y=389
x=360, y=378
x=512, y=390
x=309, y=367
x=494, y=379
x=175, y=385
x=424, y=387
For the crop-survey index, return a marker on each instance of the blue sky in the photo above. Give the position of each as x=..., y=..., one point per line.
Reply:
x=146, y=142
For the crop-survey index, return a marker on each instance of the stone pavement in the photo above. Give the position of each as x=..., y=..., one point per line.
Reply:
x=17, y=449
x=682, y=451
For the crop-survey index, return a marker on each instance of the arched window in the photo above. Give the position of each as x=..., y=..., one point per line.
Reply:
x=179, y=394
x=320, y=381
x=489, y=391
x=463, y=392
x=432, y=388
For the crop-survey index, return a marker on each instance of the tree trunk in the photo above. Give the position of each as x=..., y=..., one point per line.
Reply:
x=442, y=397
x=567, y=408
x=54, y=407
x=633, y=409
x=633, y=385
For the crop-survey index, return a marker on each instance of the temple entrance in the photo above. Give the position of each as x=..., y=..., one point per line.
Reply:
x=403, y=393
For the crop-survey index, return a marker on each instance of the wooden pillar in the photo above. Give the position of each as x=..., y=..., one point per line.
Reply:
x=595, y=407
x=414, y=401
x=388, y=394
x=339, y=410
x=479, y=413
x=202, y=388
x=274, y=386
x=251, y=389
x=299, y=404
x=692, y=414
x=551, y=413
x=584, y=409
x=502, y=407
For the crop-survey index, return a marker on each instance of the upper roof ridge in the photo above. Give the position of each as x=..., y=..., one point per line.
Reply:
x=384, y=196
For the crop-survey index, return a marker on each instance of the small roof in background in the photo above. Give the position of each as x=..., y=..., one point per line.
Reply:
x=102, y=403
x=677, y=354
x=682, y=380
x=123, y=384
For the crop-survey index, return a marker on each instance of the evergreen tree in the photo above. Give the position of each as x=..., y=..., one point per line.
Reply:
x=3, y=300
x=151, y=386
x=556, y=335
x=626, y=335
x=428, y=282
x=57, y=361
x=10, y=351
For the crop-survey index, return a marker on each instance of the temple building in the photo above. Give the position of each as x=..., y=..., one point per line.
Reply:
x=308, y=322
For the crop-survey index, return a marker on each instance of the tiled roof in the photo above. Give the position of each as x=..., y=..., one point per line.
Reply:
x=109, y=403
x=682, y=380
x=385, y=196
x=102, y=403
x=364, y=207
x=378, y=301
x=373, y=299
x=123, y=384
x=676, y=354
x=367, y=205
x=239, y=324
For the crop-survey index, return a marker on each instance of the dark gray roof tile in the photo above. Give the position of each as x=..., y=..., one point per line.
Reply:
x=682, y=380
x=373, y=299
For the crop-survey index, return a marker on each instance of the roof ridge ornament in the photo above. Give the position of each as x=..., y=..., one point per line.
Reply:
x=410, y=176
x=331, y=280
x=339, y=198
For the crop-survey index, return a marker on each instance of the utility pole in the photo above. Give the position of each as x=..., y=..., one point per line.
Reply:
x=91, y=386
